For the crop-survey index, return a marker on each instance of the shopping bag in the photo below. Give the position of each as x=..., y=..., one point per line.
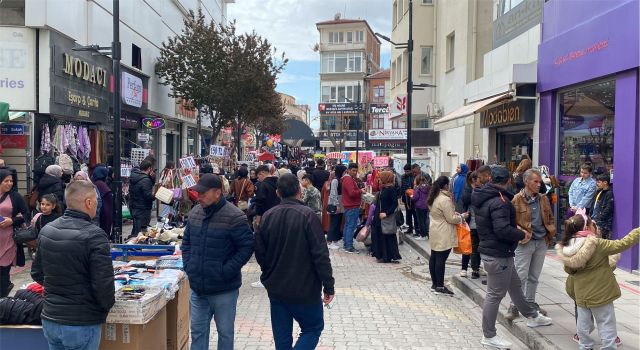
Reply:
x=363, y=233
x=464, y=239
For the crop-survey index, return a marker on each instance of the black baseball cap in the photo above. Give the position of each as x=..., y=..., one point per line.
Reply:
x=499, y=175
x=207, y=182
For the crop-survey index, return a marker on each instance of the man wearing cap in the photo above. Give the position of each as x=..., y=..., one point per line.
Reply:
x=499, y=237
x=217, y=243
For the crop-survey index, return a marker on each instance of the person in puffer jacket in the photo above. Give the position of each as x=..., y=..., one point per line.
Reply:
x=141, y=196
x=590, y=261
x=420, y=196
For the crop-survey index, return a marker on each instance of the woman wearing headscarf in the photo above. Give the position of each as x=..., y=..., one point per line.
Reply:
x=100, y=176
x=384, y=247
x=459, y=183
x=51, y=183
x=13, y=212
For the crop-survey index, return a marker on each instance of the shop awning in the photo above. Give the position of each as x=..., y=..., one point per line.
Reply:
x=297, y=132
x=470, y=109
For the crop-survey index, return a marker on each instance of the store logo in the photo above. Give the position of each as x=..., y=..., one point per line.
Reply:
x=131, y=90
x=74, y=66
x=153, y=123
x=501, y=116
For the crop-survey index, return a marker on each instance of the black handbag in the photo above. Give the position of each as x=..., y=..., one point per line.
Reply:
x=24, y=235
x=332, y=209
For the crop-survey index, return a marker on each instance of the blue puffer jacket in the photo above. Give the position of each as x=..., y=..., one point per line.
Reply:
x=217, y=243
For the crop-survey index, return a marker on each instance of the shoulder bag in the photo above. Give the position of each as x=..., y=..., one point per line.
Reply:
x=331, y=208
x=242, y=205
x=388, y=224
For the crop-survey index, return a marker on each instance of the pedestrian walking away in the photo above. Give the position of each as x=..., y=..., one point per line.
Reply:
x=499, y=237
x=217, y=244
x=73, y=264
x=590, y=261
x=296, y=269
x=442, y=232
x=535, y=217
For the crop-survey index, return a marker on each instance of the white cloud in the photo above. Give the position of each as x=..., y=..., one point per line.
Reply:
x=290, y=24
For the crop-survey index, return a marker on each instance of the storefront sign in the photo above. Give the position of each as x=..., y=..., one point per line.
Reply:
x=143, y=137
x=74, y=66
x=153, y=123
x=83, y=103
x=132, y=90
x=12, y=129
x=516, y=21
x=381, y=108
x=18, y=67
x=391, y=134
x=329, y=108
x=381, y=162
x=512, y=113
x=387, y=145
x=399, y=104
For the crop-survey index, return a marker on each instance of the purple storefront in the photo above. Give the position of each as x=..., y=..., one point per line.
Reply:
x=588, y=82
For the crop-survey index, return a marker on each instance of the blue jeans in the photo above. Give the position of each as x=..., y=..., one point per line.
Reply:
x=309, y=317
x=63, y=337
x=222, y=307
x=351, y=217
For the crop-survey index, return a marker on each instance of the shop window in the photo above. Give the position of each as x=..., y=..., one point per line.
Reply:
x=136, y=56
x=586, y=125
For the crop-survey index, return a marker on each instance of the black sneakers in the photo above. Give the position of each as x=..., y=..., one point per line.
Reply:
x=443, y=291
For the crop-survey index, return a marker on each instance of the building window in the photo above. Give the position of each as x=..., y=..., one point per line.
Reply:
x=405, y=68
x=399, y=70
x=355, y=62
x=377, y=121
x=399, y=124
x=136, y=56
x=427, y=2
x=360, y=36
x=425, y=60
x=341, y=62
x=326, y=94
x=394, y=72
x=336, y=37
x=394, y=20
x=328, y=122
x=451, y=45
x=349, y=37
x=378, y=93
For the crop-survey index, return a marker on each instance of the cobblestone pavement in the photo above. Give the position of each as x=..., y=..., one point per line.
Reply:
x=377, y=306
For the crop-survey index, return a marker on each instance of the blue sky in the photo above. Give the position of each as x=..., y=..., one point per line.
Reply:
x=290, y=26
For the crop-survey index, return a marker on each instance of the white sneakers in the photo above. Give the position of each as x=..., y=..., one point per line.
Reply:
x=257, y=285
x=333, y=245
x=540, y=320
x=496, y=342
x=463, y=273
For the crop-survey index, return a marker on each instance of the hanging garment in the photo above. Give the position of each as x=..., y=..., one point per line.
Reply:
x=93, y=154
x=45, y=140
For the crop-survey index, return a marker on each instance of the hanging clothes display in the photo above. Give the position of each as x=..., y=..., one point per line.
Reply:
x=45, y=140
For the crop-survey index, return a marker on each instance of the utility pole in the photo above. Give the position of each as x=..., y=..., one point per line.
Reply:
x=409, y=80
x=117, y=181
x=358, y=128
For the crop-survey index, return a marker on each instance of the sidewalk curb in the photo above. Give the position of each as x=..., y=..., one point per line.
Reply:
x=533, y=339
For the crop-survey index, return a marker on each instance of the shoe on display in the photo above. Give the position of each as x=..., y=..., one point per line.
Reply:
x=257, y=285
x=475, y=275
x=512, y=313
x=496, y=342
x=540, y=320
x=463, y=273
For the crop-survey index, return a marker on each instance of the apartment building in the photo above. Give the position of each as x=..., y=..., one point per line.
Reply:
x=63, y=85
x=349, y=51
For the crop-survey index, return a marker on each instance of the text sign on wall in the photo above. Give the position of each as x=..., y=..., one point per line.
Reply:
x=381, y=162
x=512, y=113
x=153, y=123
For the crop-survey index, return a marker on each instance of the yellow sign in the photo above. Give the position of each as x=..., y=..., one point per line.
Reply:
x=74, y=66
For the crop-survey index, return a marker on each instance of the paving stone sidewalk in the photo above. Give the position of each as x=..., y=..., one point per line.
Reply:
x=552, y=297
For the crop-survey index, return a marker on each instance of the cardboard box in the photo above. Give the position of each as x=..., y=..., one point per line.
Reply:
x=178, y=318
x=138, y=311
x=153, y=335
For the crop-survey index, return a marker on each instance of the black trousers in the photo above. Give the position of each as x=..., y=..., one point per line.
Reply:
x=422, y=222
x=437, y=265
x=5, y=280
x=141, y=220
x=335, y=221
x=410, y=217
x=475, y=255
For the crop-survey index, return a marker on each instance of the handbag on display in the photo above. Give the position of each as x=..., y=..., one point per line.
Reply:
x=164, y=195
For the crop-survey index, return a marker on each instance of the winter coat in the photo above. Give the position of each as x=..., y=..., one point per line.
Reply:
x=603, y=205
x=523, y=216
x=458, y=183
x=463, y=204
x=292, y=252
x=73, y=265
x=266, y=195
x=242, y=189
x=495, y=221
x=51, y=185
x=319, y=177
x=442, y=226
x=335, y=195
x=406, y=182
x=141, y=190
x=22, y=309
x=217, y=243
x=420, y=196
x=590, y=262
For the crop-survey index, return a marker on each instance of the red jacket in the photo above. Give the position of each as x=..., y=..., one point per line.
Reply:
x=351, y=195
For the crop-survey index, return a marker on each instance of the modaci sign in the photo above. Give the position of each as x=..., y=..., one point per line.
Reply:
x=388, y=134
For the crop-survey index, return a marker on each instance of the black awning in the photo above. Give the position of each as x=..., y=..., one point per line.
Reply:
x=296, y=132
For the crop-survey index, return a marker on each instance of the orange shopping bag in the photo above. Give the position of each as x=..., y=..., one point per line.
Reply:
x=464, y=239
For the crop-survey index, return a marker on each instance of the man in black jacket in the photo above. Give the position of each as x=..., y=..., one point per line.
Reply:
x=294, y=258
x=407, y=183
x=141, y=196
x=217, y=243
x=603, y=205
x=320, y=175
x=266, y=196
x=499, y=236
x=73, y=265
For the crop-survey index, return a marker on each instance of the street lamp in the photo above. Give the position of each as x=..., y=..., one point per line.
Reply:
x=410, y=86
x=357, y=125
x=115, y=52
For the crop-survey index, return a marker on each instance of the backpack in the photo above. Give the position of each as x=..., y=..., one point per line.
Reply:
x=41, y=164
x=66, y=163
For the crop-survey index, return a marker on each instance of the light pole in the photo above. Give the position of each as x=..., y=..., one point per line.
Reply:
x=410, y=86
x=357, y=125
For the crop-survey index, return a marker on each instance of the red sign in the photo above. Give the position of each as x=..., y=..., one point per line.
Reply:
x=13, y=141
x=574, y=55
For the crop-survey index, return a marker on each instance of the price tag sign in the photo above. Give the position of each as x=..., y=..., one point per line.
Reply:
x=216, y=151
x=188, y=181
x=188, y=162
x=381, y=162
x=125, y=171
